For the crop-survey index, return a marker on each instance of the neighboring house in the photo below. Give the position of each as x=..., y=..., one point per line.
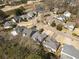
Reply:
x=18, y=30
x=9, y=24
x=16, y=19
x=14, y=33
x=61, y=18
x=31, y=14
x=28, y=32
x=64, y=17
x=49, y=20
x=24, y=17
x=69, y=52
x=39, y=37
x=67, y=14
x=51, y=44
x=76, y=31
x=25, y=32
x=70, y=26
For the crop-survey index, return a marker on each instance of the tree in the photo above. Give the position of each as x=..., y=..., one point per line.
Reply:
x=53, y=24
x=18, y=11
x=24, y=1
x=59, y=27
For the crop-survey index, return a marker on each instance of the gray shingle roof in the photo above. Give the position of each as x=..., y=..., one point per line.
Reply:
x=39, y=37
x=29, y=32
x=51, y=43
x=19, y=29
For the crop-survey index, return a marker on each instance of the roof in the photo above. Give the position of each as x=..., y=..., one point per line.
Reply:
x=17, y=18
x=67, y=14
x=61, y=18
x=39, y=37
x=70, y=25
x=19, y=29
x=30, y=14
x=14, y=33
x=51, y=43
x=29, y=32
x=24, y=16
x=8, y=24
x=71, y=50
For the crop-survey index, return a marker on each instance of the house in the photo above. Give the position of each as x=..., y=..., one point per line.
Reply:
x=76, y=31
x=9, y=24
x=70, y=26
x=16, y=19
x=17, y=30
x=39, y=38
x=67, y=14
x=31, y=14
x=69, y=52
x=49, y=20
x=51, y=44
x=28, y=32
x=61, y=18
x=25, y=32
x=24, y=16
x=14, y=33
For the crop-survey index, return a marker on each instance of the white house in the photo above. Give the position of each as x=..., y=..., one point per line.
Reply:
x=67, y=14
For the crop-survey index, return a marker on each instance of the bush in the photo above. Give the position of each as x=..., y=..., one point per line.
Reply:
x=53, y=24
x=18, y=11
x=59, y=27
x=24, y=1
x=74, y=34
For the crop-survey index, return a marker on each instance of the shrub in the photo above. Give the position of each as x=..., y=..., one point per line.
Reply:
x=59, y=27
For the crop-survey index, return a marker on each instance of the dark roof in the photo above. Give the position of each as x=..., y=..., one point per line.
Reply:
x=71, y=50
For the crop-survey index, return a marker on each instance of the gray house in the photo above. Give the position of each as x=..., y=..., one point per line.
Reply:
x=18, y=30
x=69, y=52
x=39, y=38
x=9, y=24
x=17, y=19
x=31, y=14
x=51, y=44
x=28, y=32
